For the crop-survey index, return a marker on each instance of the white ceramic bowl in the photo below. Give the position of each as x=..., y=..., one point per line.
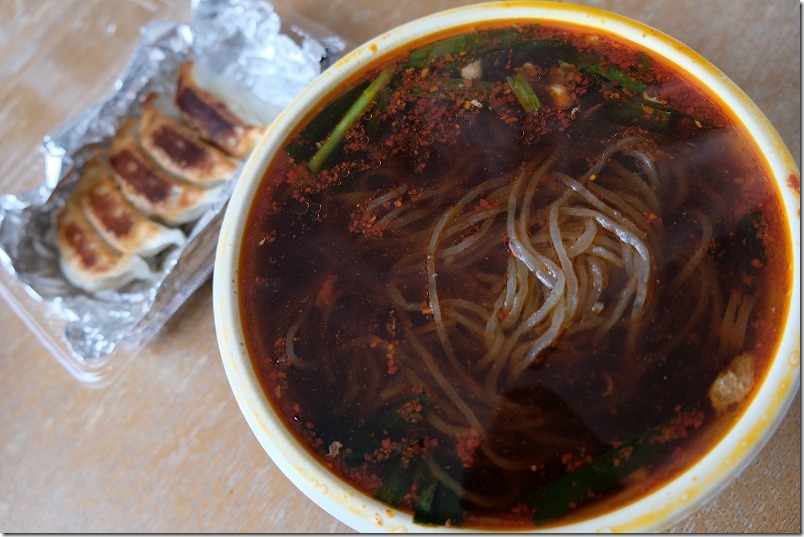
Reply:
x=657, y=511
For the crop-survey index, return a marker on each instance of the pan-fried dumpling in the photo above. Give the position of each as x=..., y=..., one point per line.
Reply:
x=151, y=189
x=115, y=219
x=213, y=118
x=86, y=260
x=179, y=150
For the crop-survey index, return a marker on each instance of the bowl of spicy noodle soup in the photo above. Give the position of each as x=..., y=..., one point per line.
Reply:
x=514, y=267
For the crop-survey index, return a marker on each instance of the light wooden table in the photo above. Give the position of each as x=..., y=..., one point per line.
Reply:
x=165, y=448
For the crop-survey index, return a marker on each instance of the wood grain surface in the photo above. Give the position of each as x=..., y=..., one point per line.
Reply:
x=165, y=448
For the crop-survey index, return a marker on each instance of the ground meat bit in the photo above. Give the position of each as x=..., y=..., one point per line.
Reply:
x=734, y=384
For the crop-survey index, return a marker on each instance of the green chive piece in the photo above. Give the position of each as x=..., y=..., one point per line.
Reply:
x=602, y=474
x=351, y=117
x=524, y=92
x=304, y=147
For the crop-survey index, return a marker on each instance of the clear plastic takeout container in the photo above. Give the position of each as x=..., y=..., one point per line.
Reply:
x=250, y=53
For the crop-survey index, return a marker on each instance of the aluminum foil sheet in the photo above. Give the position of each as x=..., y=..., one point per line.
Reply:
x=270, y=55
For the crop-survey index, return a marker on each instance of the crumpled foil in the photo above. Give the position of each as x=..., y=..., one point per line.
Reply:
x=247, y=42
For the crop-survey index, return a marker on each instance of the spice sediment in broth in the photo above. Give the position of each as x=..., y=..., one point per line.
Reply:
x=514, y=276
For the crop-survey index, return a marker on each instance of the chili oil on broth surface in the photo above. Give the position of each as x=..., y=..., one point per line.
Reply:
x=514, y=277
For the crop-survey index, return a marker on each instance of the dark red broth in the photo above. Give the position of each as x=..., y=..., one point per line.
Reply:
x=534, y=274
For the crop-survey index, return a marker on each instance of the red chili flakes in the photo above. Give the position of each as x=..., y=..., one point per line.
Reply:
x=280, y=355
x=413, y=451
x=678, y=427
x=392, y=323
x=423, y=119
x=694, y=103
x=288, y=171
x=467, y=442
x=572, y=461
x=362, y=221
x=387, y=448
x=623, y=455
x=795, y=183
x=363, y=477
x=484, y=204
x=279, y=380
x=390, y=353
x=410, y=497
x=411, y=411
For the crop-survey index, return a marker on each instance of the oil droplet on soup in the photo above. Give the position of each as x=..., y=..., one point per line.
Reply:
x=513, y=277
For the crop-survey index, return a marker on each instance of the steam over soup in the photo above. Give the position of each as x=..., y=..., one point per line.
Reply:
x=513, y=277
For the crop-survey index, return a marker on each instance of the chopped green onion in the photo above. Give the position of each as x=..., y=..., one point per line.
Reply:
x=600, y=475
x=613, y=74
x=479, y=43
x=303, y=148
x=524, y=92
x=616, y=80
x=373, y=123
x=396, y=482
x=425, y=502
x=351, y=117
x=438, y=504
x=675, y=112
x=643, y=62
